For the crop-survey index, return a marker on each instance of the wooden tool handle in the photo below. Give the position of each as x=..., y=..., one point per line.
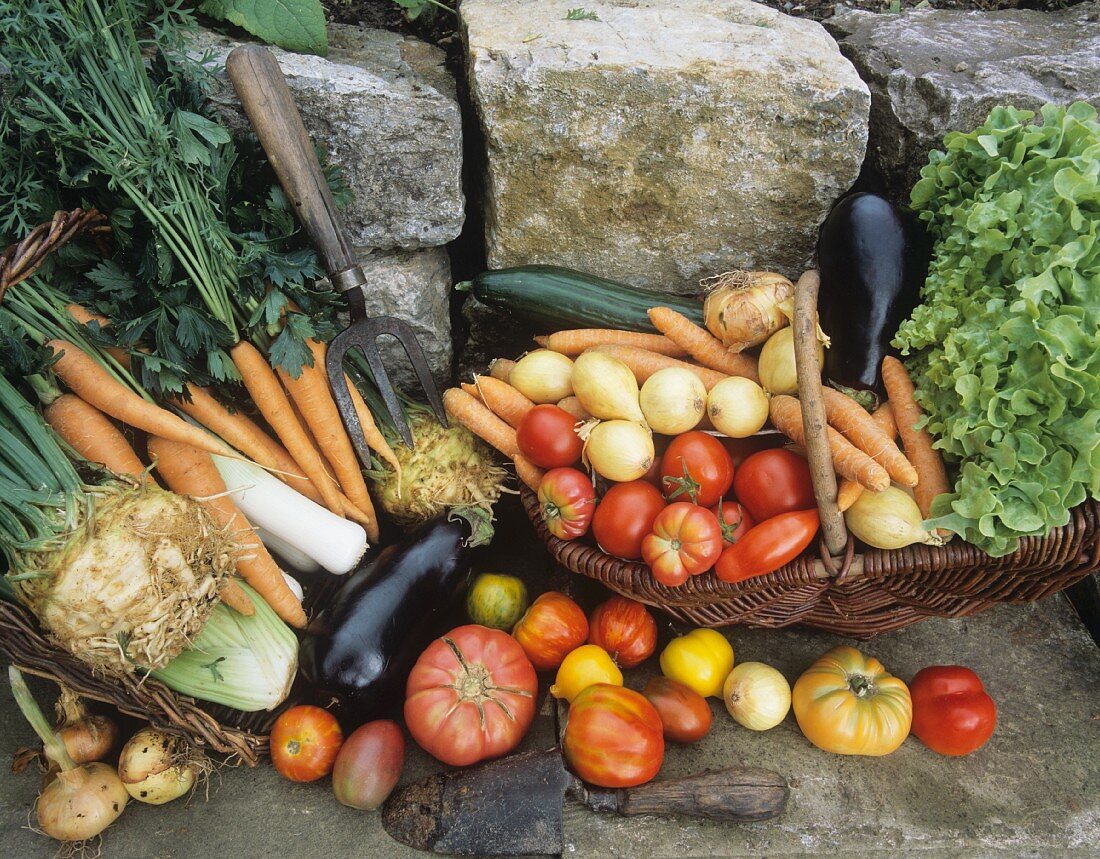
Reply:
x=263, y=92
x=739, y=794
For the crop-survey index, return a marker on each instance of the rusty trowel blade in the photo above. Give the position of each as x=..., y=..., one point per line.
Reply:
x=510, y=807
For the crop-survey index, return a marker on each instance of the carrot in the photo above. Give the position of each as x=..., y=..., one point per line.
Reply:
x=473, y=390
x=90, y=381
x=931, y=473
x=577, y=340
x=574, y=407
x=83, y=315
x=234, y=597
x=543, y=340
x=849, y=490
x=502, y=399
x=313, y=397
x=93, y=436
x=644, y=364
x=528, y=472
x=270, y=398
x=246, y=436
x=848, y=460
x=373, y=436
x=477, y=418
x=853, y=422
x=501, y=368
x=703, y=346
x=191, y=472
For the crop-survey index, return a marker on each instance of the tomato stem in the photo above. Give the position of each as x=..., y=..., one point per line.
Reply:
x=687, y=484
x=862, y=686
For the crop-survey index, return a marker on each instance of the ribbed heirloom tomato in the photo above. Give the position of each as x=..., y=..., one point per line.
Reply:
x=613, y=737
x=567, y=500
x=470, y=696
x=685, y=541
x=550, y=628
x=625, y=629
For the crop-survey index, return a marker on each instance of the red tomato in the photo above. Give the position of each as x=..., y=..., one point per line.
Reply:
x=624, y=516
x=741, y=449
x=773, y=482
x=734, y=519
x=696, y=468
x=552, y=626
x=613, y=737
x=547, y=438
x=470, y=696
x=625, y=629
x=568, y=501
x=952, y=712
x=768, y=546
x=686, y=541
x=685, y=714
x=369, y=765
x=304, y=743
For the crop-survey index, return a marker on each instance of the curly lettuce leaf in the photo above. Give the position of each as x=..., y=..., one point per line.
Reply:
x=1004, y=349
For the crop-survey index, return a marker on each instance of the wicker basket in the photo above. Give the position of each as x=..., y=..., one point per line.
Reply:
x=858, y=595
x=22, y=642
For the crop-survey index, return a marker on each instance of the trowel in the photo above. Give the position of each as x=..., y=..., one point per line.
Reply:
x=513, y=806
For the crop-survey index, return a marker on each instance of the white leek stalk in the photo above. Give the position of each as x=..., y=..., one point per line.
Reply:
x=247, y=663
x=334, y=543
x=290, y=555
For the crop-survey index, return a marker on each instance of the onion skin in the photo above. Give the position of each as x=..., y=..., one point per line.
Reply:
x=776, y=365
x=737, y=407
x=543, y=376
x=620, y=450
x=81, y=803
x=757, y=696
x=743, y=308
x=673, y=400
x=154, y=768
x=90, y=739
x=606, y=388
x=889, y=519
x=369, y=765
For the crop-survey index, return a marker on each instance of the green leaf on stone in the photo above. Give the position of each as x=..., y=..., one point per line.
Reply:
x=295, y=25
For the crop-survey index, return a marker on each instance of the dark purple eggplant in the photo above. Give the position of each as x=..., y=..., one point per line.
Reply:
x=873, y=259
x=387, y=612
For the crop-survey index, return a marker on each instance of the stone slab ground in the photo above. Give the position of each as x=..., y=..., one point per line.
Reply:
x=1033, y=791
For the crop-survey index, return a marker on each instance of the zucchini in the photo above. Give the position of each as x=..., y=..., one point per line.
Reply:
x=553, y=299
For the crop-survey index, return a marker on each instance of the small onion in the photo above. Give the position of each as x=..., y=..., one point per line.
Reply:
x=889, y=519
x=619, y=450
x=156, y=766
x=543, y=376
x=86, y=737
x=777, y=368
x=757, y=696
x=673, y=400
x=606, y=388
x=737, y=407
x=743, y=307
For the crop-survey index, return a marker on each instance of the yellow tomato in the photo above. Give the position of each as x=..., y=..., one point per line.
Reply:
x=587, y=665
x=701, y=660
x=846, y=703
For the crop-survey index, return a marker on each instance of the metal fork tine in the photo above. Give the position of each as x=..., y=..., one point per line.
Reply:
x=405, y=335
x=385, y=388
x=334, y=366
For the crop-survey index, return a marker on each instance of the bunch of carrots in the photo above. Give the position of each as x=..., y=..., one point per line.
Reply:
x=310, y=452
x=863, y=447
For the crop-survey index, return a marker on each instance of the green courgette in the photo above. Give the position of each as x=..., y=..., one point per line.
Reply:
x=554, y=299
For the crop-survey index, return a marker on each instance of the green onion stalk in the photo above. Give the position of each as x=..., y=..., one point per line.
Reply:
x=125, y=575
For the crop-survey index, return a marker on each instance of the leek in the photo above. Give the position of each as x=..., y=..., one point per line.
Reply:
x=247, y=663
x=288, y=554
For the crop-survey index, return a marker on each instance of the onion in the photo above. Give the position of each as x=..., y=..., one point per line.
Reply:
x=889, y=519
x=737, y=407
x=777, y=369
x=743, y=307
x=606, y=387
x=673, y=400
x=84, y=799
x=543, y=376
x=157, y=767
x=619, y=450
x=757, y=696
x=86, y=738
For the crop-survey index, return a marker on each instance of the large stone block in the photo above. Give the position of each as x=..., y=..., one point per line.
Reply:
x=935, y=71
x=384, y=108
x=663, y=142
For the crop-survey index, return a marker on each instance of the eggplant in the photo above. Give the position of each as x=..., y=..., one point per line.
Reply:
x=873, y=258
x=382, y=618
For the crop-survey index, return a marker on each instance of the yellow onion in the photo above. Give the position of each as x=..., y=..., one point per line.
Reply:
x=606, y=388
x=737, y=407
x=543, y=376
x=757, y=696
x=673, y=400
x=742, y=308
x=777, y=367
x=619, y=450
x=157, y=767
x=889, y=519
x=587, y=665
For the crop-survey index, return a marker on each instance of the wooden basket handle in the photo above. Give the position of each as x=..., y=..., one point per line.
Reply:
x=813, y=420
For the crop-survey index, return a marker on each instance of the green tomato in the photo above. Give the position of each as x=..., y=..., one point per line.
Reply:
x=497, y=601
